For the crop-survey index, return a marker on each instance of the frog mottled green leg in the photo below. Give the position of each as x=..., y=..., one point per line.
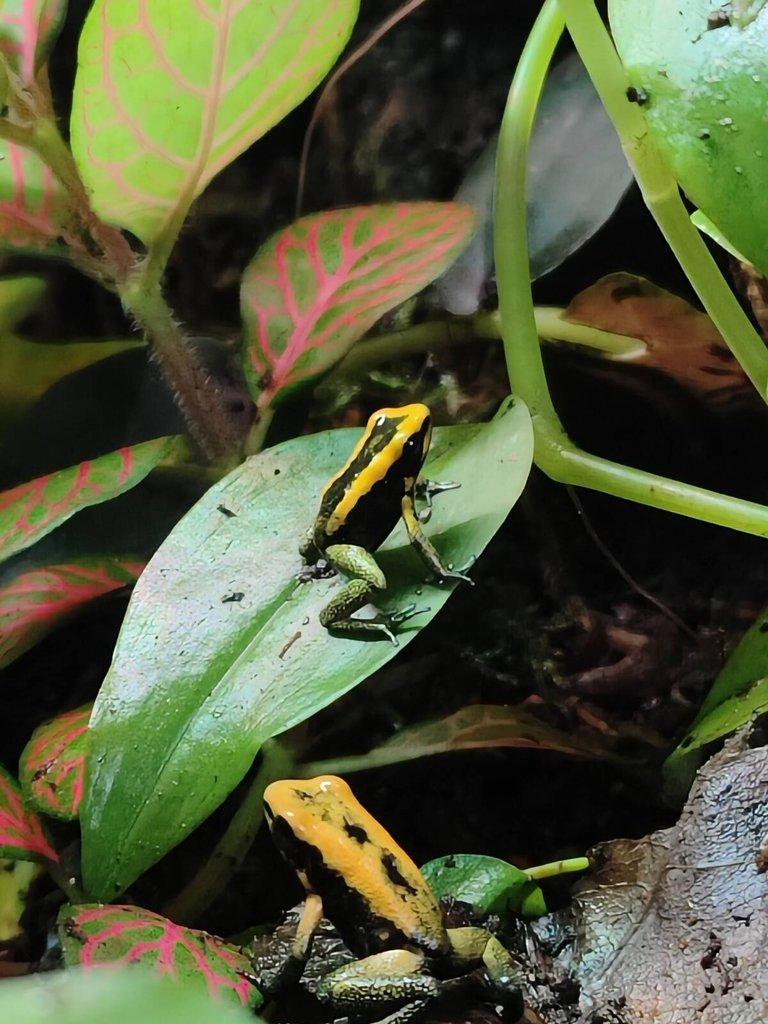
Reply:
x=366, y=578
x=392, y=982
x=425, y=491
x=425, y=547
x=503, y=975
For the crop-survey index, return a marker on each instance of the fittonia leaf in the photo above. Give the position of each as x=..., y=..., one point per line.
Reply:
x=169, y=92
x=320, y=285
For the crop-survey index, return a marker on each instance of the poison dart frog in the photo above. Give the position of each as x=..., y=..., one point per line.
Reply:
x=358, y=878
x=360, y=507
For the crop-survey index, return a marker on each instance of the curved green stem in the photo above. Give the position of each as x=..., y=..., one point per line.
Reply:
x=555, y=453
x=558, y=867
x=229, y=853
x=661, y=192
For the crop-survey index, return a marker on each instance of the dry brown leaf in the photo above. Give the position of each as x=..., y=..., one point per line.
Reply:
x=679, y=340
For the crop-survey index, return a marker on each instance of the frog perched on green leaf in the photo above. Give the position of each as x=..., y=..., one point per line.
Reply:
x=361, y=506
x=358, y=878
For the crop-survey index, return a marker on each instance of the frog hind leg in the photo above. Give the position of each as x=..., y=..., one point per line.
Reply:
x=391, y=983
x=366, y=578
x=426, y=548
x=425, y=491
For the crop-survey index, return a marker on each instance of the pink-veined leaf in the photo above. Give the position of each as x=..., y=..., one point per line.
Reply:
x=477, y=726
x=52, y=765
x=168, y=92
x=94, y=936
x=28, y=30
x=33, y=205
x=21, y=832
x=36, y=601
x=318, y=286
x=31, y=510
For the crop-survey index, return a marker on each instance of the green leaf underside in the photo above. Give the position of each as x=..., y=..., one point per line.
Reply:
x=33, y=206
x=28, y=30
x=158, y=112
x=21, y=833
x=119, y=997
x=222, y=648
x=477, y=727
x=52, y=765
x=94, y=936
x=34, y=602
x=30, y=511
x=739, y=692
x=706, y=104
x=322, y=283
x=490, y=885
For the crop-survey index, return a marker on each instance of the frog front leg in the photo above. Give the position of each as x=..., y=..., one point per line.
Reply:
x=366, y=578
x=281, y=962
x=502, y=977
x=424, y=546
x=425, y=490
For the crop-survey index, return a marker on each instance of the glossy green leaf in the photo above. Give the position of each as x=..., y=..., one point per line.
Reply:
x=706, y=80
x=94, y=936
x=30, y=511
x=739, y=692
x=21, y=833
x=490, y=885
x=222, y=647
x=33, y=205
x=318, y=286
x=28, y=30
x=169, y=92
x=52, y=765
x=119, y=997
x=34, y=602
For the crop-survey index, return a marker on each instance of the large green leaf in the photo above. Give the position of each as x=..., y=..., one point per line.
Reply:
x=124, y=997
x=222, y=649
x=169, y=92
x=705, y=75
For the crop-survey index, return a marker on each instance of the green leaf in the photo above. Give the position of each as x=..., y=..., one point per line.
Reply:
x=124, y=997
x=16, y=879
x=168, y=93
x=30, y=511
x=21, y=833
x=222, y=649
x=33, y=602
x=318, y=286
x=52, y=765
x=28, y=30
x=34, y=208
x=95, y=936
x=739, y=692
x=706, y=87
x=476, y=727
x=490, y=885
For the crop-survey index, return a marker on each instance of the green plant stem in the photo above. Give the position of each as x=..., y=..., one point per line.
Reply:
x=558, y=867
x=555, y=454
x=439, y=334
x=660, y=190
x=259, y=431
x=229, y=853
